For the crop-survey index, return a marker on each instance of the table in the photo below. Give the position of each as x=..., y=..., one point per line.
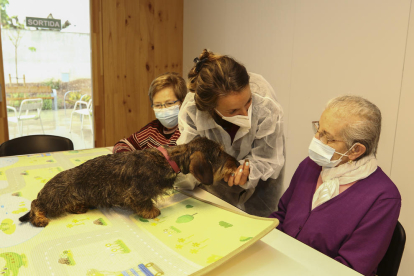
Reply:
x=275, y=254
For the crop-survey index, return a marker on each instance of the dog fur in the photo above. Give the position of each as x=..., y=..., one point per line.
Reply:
x=131, y=180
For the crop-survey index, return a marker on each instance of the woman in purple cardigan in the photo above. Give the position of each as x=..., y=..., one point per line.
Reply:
x=339, y=201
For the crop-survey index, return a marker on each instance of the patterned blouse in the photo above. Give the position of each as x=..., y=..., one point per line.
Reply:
x=150, y=136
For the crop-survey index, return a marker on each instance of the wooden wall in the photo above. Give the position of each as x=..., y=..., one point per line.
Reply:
x=4, y=128
x=133, y=41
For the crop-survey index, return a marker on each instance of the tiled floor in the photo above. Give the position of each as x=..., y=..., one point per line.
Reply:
x=58, y=123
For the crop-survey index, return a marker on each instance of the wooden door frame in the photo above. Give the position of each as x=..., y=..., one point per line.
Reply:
x=4, y=126
x=95, y=9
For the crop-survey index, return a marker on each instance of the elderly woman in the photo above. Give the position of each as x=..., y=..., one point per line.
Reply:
x=339, y=201
x=166, y=94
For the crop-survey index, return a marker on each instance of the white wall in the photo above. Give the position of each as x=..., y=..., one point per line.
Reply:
x=312, y=51
x=402, y=165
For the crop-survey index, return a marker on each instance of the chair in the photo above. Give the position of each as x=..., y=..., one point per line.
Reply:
x=35, y=144
x=390, y=264
x=76, y=92
x=82, y=111
x=25, y=107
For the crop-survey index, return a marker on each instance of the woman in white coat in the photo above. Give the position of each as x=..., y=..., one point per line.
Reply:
x=238, y=110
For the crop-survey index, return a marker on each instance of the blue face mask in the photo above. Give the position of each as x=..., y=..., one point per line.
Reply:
x=168, y=116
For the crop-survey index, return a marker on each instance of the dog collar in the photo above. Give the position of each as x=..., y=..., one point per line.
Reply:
x=172, y=162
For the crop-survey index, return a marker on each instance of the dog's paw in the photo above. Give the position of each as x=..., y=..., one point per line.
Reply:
x=40, y=221
x=78, y=209
x=153, y=213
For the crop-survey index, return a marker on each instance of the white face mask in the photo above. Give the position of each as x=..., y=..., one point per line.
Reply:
x=240, y=120
x=321, y=154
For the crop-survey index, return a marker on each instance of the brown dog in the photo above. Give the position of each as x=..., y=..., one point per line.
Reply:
x=128, y=179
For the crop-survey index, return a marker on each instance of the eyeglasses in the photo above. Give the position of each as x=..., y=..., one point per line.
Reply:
x=165, y=105
x=322, y=136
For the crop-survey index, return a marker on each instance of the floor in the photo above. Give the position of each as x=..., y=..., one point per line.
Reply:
x=57, y=123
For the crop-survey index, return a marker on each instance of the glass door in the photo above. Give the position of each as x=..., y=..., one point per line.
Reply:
x=47, y=68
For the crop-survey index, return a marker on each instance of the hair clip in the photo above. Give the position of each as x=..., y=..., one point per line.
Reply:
x=199, y=63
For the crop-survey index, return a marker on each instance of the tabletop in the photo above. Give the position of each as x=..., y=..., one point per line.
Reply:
x=118, y=242
x=187, y=238
x=276, y=254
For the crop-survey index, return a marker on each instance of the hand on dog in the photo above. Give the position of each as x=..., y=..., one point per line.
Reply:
x=240, y=176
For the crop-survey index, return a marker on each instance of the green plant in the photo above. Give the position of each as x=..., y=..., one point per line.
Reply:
x=71, y=99
x=74, y=96
x=54, y=84
x=47, y=103
x=15, y=103
x=60, y=103
x=4, y=15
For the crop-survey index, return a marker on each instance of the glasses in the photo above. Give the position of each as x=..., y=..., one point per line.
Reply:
x=165, y=105
x=322, y=136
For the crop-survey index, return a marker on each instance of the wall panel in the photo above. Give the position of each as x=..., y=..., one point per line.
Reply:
x=401, y=170
x=139, y=40
x=346, y=47
x=312, y=51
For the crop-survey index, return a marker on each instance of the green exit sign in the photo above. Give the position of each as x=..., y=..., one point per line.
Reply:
x=43, y=23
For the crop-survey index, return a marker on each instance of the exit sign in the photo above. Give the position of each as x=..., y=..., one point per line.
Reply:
x=43, y=23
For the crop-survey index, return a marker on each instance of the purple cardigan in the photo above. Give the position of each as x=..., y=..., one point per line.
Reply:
x=354, y=228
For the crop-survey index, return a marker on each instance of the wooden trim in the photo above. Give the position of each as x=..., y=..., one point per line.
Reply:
x=20, y=99
x=46, y=92
x=28, y=89
x=4, y=126
x=97, y=73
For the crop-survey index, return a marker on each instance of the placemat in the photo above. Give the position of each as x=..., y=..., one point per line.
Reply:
x=190, y=237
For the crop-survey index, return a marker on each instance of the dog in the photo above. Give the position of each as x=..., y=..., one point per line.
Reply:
x=131, y=180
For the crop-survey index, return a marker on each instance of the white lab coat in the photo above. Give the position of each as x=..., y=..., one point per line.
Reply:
x=263, y=144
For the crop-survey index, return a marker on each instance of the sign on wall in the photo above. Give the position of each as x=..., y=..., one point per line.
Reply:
x=43, y=23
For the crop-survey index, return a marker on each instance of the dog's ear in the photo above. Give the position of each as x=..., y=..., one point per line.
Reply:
x=201, y=168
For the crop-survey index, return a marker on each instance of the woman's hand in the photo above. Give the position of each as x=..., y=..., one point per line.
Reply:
x=241, y=175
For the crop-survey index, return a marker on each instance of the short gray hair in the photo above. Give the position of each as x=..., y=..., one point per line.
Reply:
x=366, y=128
